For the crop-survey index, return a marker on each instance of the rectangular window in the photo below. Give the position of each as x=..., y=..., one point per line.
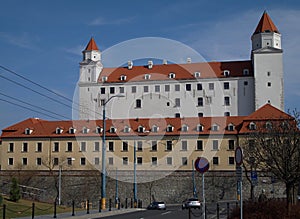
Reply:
x=139, y=146
x=154, y=146
x=69, y=160
x=96, y=146
x=24, y=161
x=146, y=89
x=25, y=147
x=211, y=86
x=231, y=160
x=125, y=146
x=154, y=161
x=226, y=101
x=177, y=87
x=82, y=161
x=184, y=145
x=215, y=160
x=56, y=147
x=169, y=161
x=125, y=160
x=200, y=101
x=188, y=87
x=230, y=144
x=215, y=145
x=11, y=147
x=69, y=147
x=157, y=88
x=167, y=88
x=133, y=89
x=122, y=90
x=139, y=160
x=169, y=146
x=111, y=161
x=83, y=146
x=55, y=161
x=112, y=90
x=208, y=100
x=111, y=146
x=199, y=145
x=199, y=86
x=226, y=85
x=177, y=102
x=184, y=161
x=10, y=161
x=102, y=90
x=97, y=161
x=138, y=103
x=39, y=147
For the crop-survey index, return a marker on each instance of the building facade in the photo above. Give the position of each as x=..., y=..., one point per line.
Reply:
x=228, y=88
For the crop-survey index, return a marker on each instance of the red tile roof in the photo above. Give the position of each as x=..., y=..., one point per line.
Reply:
x=182, y=71
x=91, y=45
x=266, y=25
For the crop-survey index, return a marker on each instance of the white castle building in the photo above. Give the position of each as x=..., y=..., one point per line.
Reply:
x=229, y=88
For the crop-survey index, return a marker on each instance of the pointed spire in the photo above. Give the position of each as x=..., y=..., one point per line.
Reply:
x=91, y=45
x=265, y=25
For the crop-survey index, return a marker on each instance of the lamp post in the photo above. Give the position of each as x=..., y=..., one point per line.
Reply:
x=103, y=174
x=59, y=180
x=134, y=175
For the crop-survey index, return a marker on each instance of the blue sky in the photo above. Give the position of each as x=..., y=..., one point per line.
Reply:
x=43, y=40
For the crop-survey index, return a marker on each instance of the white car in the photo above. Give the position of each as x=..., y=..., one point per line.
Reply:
x=191, y=203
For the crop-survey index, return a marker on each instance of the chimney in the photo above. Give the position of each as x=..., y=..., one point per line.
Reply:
x=130, y=64
x=189, y=60
x=165, y=62
x=150, y=64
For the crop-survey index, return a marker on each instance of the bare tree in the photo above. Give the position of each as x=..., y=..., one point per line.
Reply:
x=273, y=146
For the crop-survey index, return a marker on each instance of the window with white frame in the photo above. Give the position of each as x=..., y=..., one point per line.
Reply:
x=125, y=146
x=154, y=161
x=24, y=161
x=110, y=161
x=138, y=103
x=177, y=87
x=39, y=147
x=133, y=89
x=85, y=130
x=167, y=88
x=199, y=145
x=157, y=88
x=252, y=126
x=215, y=127
x=215, y=145
x=141, y=129
x=227, y=101
x=200, y=101
x=154, y=128
x=10, y=161
x=56, y=147
x=111, y=146
x=169, y=160
x=69, y=147
x=125, y=160
x=170, y=128
x=154, y=146
x=25, y=147
x=139, y=160
x=139, y=146
x=96, y=161
x=231, y=161
x=200, y=128
x=83, y=146
x=177, y=102
x=215, y=160
x=11, y=147
x=82, y=161
x=96, y=146
x=126, y=129
x=184, y=161
x=231, y=144
x=38, y=161
x=184, y=145
x=169, y=146
x=112, y=129
x=184, y=128
x=146, y=89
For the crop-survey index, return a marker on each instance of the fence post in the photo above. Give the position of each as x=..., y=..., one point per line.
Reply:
x=119, y=206
x=131, y=203
x=126, y=200
x=4, y=209
x=54, y=216
x=218, y=211
x=109, y=204
x=205, y=211
x=88, y=206
x=32, y=212
x=99, y=205
x=227, y=209
x=73, y=208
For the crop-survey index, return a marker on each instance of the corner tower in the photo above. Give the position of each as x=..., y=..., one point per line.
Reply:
x=267, y=64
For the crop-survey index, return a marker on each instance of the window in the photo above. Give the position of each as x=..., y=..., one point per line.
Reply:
x=56, y=147
x=167, y=88
x=125, y=160
x=39, y=147
x=199, y=86
x=188, y=87
x=139, y=160
x=215, y=145
x=112, y=130
x=269, y=84
x=147, y=76
x=125, y=146
x=141, y=129
x=170, y=128
x=82, y=161
x=226, y=73
x=122, y=90
x=211, y=86
x=227, y=114
x=177, y=102
x=138, y=103
x=111, y=161
x=200, y=114
x=104, y=78
x=139, y=146
x=112, y=90
x=200, y=101
x=10, y=161
x=245, y=71
x=199, y=145
x=55, y=161
x=83, y=146
x=98, y=130
x=123, y=77
x=97, y=161
x=230, y=144
x=69, y=147
x=184, y=128
x=154, y=161
x=39, y=161
x=169, y=146
x=146, y=89
x=269, y=73
x=102, y=90
x=169, y=161
x=227, y=101
x=85, y=130
x=230, y=127
x=24, y=161
x=28, y=131
x=25, y=147
x=177, y=115
x=177, y=87
x=215, y=127
x=154, y=145
x=208, y=100
x=245, y=83
x=197, y=74
x=72, y=130
x=69, y=160
x=154, y=128
x=231, y=160
x=215, y=160
x=184, y=145
x=172, y=75
x=11, y=147
x=133, y=89
x=157, y=88
x=252, y=126
x=96, y=146
x=269, y=125
x=200, y=128
x=226, y=85
x=126, y=129
x=111, y=146
x=184, y=161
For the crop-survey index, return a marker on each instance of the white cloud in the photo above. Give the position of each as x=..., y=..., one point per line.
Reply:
x=99, y=21
x=24, y=40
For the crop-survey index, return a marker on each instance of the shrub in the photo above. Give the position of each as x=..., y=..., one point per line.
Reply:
x=14, y=193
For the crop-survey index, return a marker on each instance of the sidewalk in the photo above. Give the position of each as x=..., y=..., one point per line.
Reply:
x=92, y=214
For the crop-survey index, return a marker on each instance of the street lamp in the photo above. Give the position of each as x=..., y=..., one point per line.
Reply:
x=59, y=180
x=103, y=174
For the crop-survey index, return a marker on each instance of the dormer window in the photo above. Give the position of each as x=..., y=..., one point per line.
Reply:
x=197, y=74
x=147, y=76
x=252, y=126
x=58, y=130
x=230, y=127
x=141, y=129
x=172, y=75
x=85, y=130
x=150, y=64
x=226, y=73
x=112, y=129
x=28, y=131
x=72, y=130
x=126, y=129
x=154, y=128
x=269, y=125
x=98, y=129
x=200, y=128
x=170, y=128
x=215, y=127
x=104, y=78
x=246, y=71
x=184, y=128
x=123, y=77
